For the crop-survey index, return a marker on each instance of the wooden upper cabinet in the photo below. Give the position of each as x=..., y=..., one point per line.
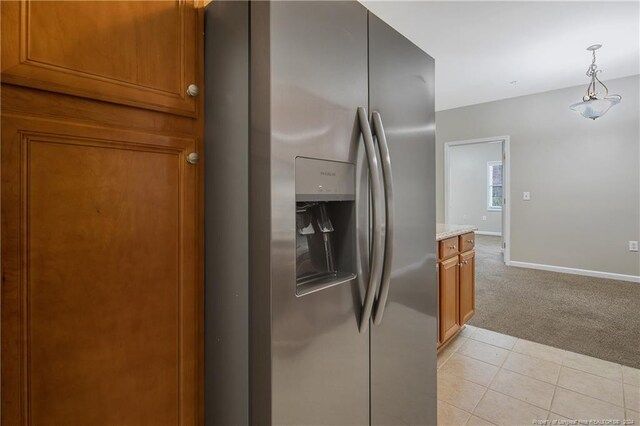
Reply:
x=139, y=53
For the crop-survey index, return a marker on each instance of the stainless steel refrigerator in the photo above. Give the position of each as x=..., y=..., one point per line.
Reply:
x=320, y=218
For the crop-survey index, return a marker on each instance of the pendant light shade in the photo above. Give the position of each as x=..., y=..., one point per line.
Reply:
x=594, y=108
x=593, y=103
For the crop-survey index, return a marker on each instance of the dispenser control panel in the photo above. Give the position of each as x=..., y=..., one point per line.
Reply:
x=325, y=224
x=324, y=180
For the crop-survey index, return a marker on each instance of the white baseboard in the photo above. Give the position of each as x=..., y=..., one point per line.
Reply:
x=495, y=234
x=575, y=271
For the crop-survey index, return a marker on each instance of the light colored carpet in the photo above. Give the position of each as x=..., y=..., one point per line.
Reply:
x=593, y=316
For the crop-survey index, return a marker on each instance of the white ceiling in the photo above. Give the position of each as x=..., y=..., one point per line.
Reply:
x=480, y=46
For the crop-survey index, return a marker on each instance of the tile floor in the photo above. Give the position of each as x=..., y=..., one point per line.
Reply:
x=488, y=378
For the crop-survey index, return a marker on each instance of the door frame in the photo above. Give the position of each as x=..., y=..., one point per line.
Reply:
x=506, y=184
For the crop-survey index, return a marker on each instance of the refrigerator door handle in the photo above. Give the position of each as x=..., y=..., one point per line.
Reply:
x=376, y=192
x=389, y=208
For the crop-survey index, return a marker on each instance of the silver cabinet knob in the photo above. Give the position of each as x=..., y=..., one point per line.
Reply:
x=193, y=90
x=193, y=158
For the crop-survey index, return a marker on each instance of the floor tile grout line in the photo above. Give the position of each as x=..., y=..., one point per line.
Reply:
x=505, y=358
x=538, y=357
x=526, y=375
x=523, y=375
x=556, y=386
x=528, y=356
x=478, y=403
x=448, y=358
x=621, y=367
x=565, y=352
x=595, y=374
x=555, y=389
x=501, y=347
x=592, y=374
x=468, y=380
x=591, y=396
x=457, y=408
x=498, y=372
x=521, y=400
x=503, y=394
x=481, y=360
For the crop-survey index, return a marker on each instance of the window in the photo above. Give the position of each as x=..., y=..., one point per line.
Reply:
x=494, y=185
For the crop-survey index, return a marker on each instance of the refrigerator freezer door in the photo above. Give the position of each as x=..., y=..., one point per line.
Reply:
x=317, y=68
x=403, y=345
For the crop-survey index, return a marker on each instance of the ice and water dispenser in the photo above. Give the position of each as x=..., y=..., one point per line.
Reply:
x=325, y=224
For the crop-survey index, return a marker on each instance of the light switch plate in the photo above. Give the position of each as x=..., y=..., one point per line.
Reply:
x=633, y=246
x=526, y=196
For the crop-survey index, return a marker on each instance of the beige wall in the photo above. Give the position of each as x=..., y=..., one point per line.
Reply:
x=468, y=186
x=583, y=175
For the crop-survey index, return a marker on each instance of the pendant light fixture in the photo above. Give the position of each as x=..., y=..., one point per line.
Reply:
x=595, y=104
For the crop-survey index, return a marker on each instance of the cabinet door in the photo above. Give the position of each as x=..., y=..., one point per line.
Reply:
x=101, y=311
x=449, y=316
x=140, y=53
x=467, y=285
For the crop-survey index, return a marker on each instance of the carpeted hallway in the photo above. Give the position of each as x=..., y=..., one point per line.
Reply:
x=592, y=316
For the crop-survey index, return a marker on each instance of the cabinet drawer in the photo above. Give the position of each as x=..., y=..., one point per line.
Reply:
x=467, y=241
x=448, y=247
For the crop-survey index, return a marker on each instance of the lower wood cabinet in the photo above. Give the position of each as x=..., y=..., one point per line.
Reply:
x=456, y=281
x=467, y=273
x=101, y=266
x=449, y=307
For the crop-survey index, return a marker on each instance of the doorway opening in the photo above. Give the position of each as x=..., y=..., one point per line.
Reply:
x=476, y=189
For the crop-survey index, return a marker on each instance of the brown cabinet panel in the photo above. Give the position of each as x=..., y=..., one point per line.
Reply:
x=140, y=53
x=101, y=303
x=467, y=285
x=448, y=287
x=448, y=248
x=467, y=241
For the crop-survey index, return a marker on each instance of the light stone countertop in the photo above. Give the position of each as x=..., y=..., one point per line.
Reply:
x=446, y=230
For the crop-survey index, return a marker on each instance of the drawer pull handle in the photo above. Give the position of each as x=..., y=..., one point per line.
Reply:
x=470, y=241
x=453, y=247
